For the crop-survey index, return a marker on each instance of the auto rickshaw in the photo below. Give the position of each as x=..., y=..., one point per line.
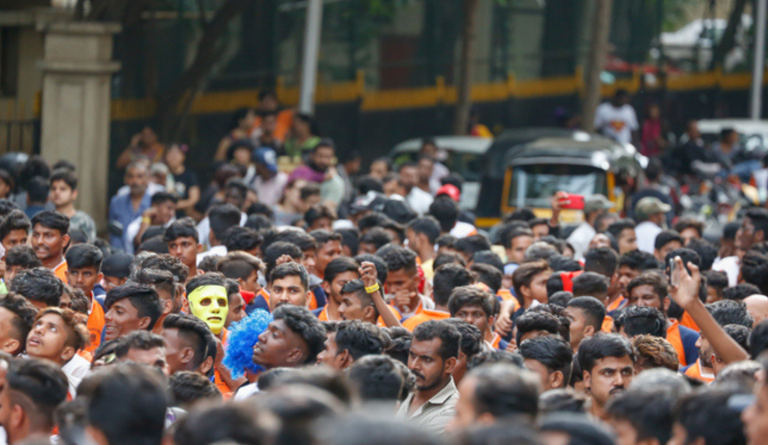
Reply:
x=582, y=164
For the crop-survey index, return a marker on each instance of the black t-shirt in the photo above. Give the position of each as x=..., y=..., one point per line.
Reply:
x=182, y=184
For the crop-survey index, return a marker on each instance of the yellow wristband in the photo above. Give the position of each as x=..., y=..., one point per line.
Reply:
x=372, y=289
x=146, y=220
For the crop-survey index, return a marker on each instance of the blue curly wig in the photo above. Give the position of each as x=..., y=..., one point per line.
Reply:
x=243, y=335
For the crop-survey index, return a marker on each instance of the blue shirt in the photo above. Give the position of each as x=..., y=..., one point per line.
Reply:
x=121, y=210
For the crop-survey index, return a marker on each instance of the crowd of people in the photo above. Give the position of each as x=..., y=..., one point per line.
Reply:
x=328, y=306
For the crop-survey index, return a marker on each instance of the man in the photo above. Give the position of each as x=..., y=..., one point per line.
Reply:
x=478, y=308
x=308, y=259
x=754, y=228
x=125, y=208
x=245, y=269
x=666, y=241
x=494, y=392
x=757, y=306
x=58, y=335
x=320, y=169
x=649, y=213
x=631, y=265
x=186, y=344
x=617, y=119
x=422, y=234
x=17, y=317
x=130, y=307
x=623, y=231
x=449, y=277
x=220, y=218
x=63, y=193
x=352, y=340
x=328, y=249
x=642, y=416
x=337, y=273
x=288, y=284
x=31, y=392
x=293, y=339
x=236, y=303
x=122, y=397
x=378, y=379
x=39, y=286
x=84, y=273
x=650, y=290
x=727, y=259
x=594, y=207
x=243, y=239
x=472, y=344
x=706, y=418
x=432, y=357
x=14, y=230
x=163, y=282
x=37, y=196
x=269, y=181
x=143, y=347
x=116, y=269
x=516, y=242
x=604, y=261
x=19, y=258
x=550, y=357
x=181, y=237
x=403, y=282
x=161, y=212
x=608, y=364
x=418, y=200
x=49, y=239
x=530, y=281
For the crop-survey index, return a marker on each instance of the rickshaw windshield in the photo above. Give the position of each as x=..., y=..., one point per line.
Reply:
x=533, y=185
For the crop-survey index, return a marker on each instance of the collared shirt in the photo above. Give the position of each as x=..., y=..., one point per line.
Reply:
x=435, y=414
x=121, y=210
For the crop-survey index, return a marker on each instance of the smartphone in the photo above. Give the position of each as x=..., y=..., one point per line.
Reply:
x=571, y=201
x=674, y=280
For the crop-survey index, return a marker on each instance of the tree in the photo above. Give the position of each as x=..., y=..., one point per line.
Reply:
x=598, y=47
x=464, y=85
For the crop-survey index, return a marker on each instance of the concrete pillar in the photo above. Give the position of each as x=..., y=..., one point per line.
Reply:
x=77, y=69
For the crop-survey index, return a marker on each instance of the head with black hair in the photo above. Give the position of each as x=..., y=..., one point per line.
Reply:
x=57, y=335
x=445, y=211
x=587, y=315
x=338, y=272
x=328, y=248
x=758, y=339
x=488, y=257
x=498, y=391
x=130, y=307
x=378, y=378
x=740, y=291
x=381, y=267
x=186, y=342
x=222, y=217
x=642, y=320
x=14, y=229
x=38, y=285
x=373, y=240
x=18, y=258
x=643, y=413
x=727, y=312
x=352, y=340
x=242, y=267
x=433, y=354
x=607, y=362
x=550, y=356
x=243, y=239
x=142, y=347
x=631, y=265
x=50, y=237
x=487, y=275
x=402, y=274
x=422, y=234
x=754, y=270
x=623, y=231
x=278, y=249
x=190, y=388
x=84, y=267
x=37, y=191
x=447, y=278
x=602, y=260
x=754, y=227
x=648, y=290
x=488, y=357
x=182, y=239
x=305, y=242
x=475, y=306
x=294, y=338
x=591, y=284
x=472, y=343
x=561, y=263
x=532, y=324
x=706, y=417
x=33, y=390
x=350, y=240
x=666, y=241
x=22, y=317
x=288, y=283
x=320, y=216
x=472, y=244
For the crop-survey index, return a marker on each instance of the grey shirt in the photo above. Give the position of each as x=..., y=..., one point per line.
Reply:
x=436, y=413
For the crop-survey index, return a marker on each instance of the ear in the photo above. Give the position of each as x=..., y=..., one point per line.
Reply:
x=199, y=248
x=346, y=360
x=187, y=355
x=450, y=364
x=369, y=312
x=587, y=380
x=65, y=240
x=99, y=277
x=485, y=419
x=326, y=287
x=308, y=299
x=206, y=366
x=241, y=282
x=526, y=291
x=295, y=356
x=144, y=323
x=68, y=353
x=491, y=322
x=74, y=194
x=167, y=306
x=17, y=415
x=11, y=345
x=589, y=331
x=665, y=303
x=556, y=379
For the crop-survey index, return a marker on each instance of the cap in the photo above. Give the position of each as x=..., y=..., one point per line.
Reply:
x=597, y=202
x=267, y=157
x=117, y=265
x=648, y=206
x=450, y=190
x=370, y=201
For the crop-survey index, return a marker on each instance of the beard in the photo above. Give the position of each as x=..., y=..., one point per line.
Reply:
x=428, y=385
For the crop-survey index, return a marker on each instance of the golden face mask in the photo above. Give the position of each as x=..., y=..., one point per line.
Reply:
x=210, y=304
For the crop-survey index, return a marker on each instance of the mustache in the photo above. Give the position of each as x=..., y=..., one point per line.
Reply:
x=418, y=375
x=616, y=390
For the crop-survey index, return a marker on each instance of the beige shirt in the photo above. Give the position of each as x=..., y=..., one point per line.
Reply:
x=436, y=413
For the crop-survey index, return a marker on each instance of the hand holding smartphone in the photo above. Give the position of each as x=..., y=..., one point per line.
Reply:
x=674, y=276
x=572, y=201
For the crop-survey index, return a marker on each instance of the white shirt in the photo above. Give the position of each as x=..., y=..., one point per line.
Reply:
x=580, y=239
x=646, y=233
x=133, y=229
x=729, y=265
x=215, y=250
x=419, y=201
x=463, y=230
x=271, y=190
x=152, y=188
x=76, y=369
x=246, y=391
x=616, y=123
x=204, y=228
